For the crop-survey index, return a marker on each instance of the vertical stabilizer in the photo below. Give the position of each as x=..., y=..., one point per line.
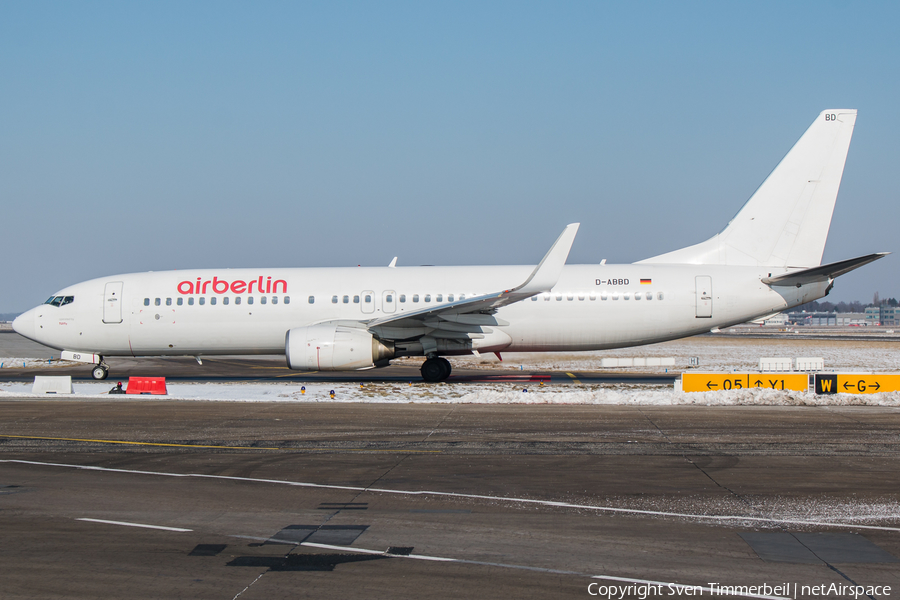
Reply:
x=785, y=223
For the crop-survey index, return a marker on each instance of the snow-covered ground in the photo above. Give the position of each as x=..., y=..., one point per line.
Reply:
x=468, y=393
x=714, y=354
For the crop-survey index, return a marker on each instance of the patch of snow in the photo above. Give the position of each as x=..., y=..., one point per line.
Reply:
x=487, y=393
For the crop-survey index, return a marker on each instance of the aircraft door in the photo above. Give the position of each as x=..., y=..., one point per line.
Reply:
x=112, y=302
x=704, y=296
x=389, y=301
x=367, y=301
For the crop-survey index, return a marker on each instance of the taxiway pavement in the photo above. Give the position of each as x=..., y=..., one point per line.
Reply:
x=122, y=498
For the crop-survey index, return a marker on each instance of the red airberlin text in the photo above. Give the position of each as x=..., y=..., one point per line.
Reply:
x=222, y=286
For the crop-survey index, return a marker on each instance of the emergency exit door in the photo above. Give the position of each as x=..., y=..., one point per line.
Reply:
x=704, y=296
x=112, y=302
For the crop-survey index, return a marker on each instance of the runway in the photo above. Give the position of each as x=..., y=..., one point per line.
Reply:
x=267, y=500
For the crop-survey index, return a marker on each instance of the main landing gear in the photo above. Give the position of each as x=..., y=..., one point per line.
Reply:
x=100, y=372
x=435, y=369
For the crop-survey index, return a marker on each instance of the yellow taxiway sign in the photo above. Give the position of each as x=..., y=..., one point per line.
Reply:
x=711, y=382
x=857, y=383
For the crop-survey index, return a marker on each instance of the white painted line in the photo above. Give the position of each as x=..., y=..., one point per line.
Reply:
x=530, y=501
x=125, y=523
x=669, y=586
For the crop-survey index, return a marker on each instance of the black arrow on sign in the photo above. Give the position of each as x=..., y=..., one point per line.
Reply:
x=710, y=385
x=757, y=383
x=846, y=385
x=875, y=385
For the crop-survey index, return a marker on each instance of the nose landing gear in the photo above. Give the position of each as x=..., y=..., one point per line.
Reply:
x=100, y=372
x=435, y=369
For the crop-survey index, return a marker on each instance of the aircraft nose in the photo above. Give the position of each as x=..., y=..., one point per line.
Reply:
x=24, y=324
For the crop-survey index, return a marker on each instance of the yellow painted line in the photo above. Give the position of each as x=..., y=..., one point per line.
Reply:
x=61, y=439
x=575, y=379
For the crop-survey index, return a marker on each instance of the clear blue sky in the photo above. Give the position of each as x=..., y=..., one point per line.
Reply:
x=162, y=135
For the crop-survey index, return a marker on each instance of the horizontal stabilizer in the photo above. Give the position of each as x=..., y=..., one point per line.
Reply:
x=823, y=273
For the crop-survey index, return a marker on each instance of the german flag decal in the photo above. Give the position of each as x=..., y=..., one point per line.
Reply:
x=646, y=281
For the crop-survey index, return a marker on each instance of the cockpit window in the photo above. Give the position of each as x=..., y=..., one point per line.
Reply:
x=60, y=300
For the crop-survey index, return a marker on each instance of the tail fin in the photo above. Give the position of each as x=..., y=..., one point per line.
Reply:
x=785, y=223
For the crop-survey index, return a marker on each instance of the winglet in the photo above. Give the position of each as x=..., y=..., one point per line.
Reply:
x=393, y=263
x=547, y=273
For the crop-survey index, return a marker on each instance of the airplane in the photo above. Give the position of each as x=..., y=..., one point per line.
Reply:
x=766, y=260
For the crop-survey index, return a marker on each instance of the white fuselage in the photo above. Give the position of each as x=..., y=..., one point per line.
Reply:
x=249, y=311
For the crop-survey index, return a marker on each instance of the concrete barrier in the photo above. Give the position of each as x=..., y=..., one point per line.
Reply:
x=56, y=384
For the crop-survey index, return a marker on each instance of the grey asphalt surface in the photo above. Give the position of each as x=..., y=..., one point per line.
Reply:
x=519, y=497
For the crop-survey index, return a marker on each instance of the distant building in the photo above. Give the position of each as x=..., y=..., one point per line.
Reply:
x=873, y=316
x=889, y=315
x=848, y=319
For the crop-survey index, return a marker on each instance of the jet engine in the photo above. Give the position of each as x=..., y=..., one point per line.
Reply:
x=332, y=347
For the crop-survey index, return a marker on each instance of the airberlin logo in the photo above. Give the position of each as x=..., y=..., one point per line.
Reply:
x=222, y=286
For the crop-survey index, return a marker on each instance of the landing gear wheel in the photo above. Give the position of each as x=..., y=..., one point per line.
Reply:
x=435, y=369
x=100, y=372
x=447, y=368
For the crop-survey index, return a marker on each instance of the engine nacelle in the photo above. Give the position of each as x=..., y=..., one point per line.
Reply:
x=330, y=347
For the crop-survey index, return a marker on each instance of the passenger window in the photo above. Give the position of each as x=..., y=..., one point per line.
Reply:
x=179, y=301
x=637, y=295
x=146, y=301
x=389, y=298
x=427, y=297
x=202, y=301
x=626, y=296
x=449, y=297
x=615, y=296
x=157, y=302
x=439, y=298
x=603, y=295
x=593, y=296
x=311, y=300
x=225, y=300
x=168, y=302
x=237, y=299
x=212, y=301
x=547, y=296
x=346, y=299
x=415, y=298
x=334, y=300
x=402, y=297
x=558, y=297
x=287, y=299
x=190, y=301
x=534, y=298
x=249, y=299
x=368, y=298
x=570, y=297
x=462, y=297
x=262, y=299
x=649, y=296
x=659, y=296
x=275, y=299
x=581, y=296
x=355, y=299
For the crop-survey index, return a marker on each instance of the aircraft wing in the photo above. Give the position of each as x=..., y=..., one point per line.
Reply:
x=824, y=272
x=469, y=315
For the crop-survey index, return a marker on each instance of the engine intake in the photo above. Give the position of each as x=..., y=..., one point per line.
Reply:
x=330, y=347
